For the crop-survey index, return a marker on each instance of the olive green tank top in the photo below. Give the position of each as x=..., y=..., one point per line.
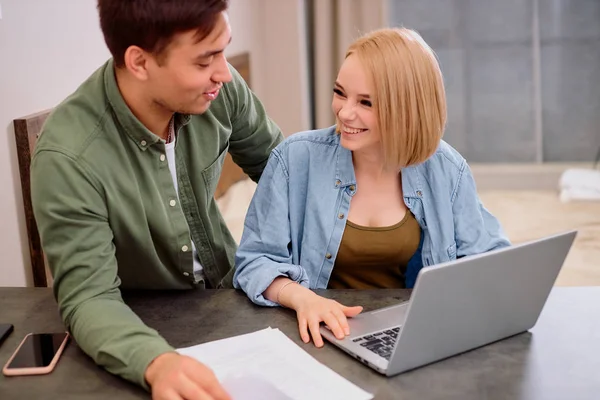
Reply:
x=375, y=258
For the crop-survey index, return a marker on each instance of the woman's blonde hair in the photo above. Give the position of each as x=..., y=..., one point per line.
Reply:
x=409, y=96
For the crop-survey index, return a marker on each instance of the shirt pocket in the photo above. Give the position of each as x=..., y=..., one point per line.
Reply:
x=212, y=173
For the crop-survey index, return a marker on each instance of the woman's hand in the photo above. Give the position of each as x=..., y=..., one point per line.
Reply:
x=311, y=309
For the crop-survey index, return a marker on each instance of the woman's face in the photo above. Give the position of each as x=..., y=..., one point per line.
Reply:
x=353, y=108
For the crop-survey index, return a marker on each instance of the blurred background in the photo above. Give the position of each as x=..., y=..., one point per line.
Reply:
x=522, y=80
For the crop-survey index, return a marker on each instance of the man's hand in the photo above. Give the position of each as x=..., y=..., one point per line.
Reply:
x=172, y=376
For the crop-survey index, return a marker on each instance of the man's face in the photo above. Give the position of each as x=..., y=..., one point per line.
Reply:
x=191, y=73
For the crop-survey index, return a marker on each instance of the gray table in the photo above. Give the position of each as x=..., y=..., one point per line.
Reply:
x=557, y=359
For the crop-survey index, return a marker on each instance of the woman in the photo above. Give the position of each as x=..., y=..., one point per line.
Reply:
x=369, y=202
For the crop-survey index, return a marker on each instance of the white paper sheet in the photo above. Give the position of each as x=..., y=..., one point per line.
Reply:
x=268, y=365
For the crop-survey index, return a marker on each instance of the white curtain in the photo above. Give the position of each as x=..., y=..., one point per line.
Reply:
x=336, y=24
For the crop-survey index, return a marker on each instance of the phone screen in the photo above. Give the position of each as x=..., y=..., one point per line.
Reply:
x=38, y=350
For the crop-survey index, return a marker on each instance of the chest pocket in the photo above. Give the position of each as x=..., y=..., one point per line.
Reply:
x=212, y=173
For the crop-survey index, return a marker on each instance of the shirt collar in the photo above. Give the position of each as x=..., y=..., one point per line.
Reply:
x=344, y=173
x=344, y=169
x=136, y=131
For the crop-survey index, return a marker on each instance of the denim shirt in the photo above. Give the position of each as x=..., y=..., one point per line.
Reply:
x=297, y=217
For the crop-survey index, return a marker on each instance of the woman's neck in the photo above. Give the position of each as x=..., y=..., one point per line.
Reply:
x=371, y=165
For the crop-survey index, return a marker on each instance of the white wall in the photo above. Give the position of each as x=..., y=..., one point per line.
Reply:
x=274, y=33
x=47, y=48
x=244, y=17
x=284, y=64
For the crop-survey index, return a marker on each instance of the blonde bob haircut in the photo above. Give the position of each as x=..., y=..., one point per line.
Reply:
x=408, y=93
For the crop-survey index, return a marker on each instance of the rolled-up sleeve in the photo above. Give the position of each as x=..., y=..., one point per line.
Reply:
x=476, y=229
x=265, y=250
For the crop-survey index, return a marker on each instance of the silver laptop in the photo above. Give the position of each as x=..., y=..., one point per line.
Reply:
x=459, y=305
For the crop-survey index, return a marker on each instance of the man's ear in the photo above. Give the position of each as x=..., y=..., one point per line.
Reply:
x=136, y=62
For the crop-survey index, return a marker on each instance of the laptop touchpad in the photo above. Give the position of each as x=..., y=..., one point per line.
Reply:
x=377, y=320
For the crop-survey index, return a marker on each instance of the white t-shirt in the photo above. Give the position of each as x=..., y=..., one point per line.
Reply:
x=170, y=153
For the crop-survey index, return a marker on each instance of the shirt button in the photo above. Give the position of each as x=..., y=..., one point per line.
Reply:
x=162, y=157
x=184, y=248
x=328, y=256
x=172, y=203
x=186, y=274
x=352, y=187
x=341, y=216
x=143, y=143
x=338, y=182
x=419, y=193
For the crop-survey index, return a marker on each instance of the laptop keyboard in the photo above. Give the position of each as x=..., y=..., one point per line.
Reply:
x=380, y=343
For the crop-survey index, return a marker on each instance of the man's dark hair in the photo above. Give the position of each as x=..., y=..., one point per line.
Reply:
x=151, y=24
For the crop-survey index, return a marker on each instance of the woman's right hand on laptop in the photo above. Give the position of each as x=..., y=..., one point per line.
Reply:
x=312, y=309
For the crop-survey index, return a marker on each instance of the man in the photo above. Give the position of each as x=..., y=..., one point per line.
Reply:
x=123, y=178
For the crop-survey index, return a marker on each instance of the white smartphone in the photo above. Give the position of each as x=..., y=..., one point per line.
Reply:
x=37, y=354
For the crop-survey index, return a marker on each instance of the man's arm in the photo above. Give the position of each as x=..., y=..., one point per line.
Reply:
x=254, y=134
x=72, y=219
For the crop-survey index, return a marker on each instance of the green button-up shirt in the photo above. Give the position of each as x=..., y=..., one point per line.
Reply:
x=109, y=216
